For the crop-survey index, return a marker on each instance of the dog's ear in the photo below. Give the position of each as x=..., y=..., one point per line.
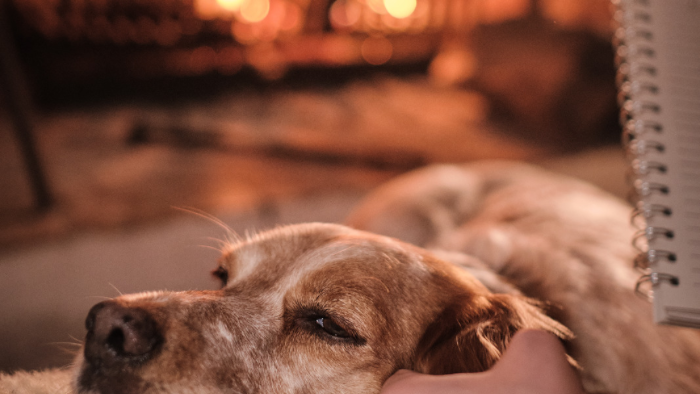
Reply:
x=471, y=334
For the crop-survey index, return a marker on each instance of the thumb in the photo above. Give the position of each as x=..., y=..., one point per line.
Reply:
x=409, y=382
x=538, y=358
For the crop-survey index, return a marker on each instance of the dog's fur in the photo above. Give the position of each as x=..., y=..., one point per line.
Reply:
x=324, y=308
x=558, y=240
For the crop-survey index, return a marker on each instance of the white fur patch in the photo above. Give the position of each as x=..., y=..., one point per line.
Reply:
x=224, y=332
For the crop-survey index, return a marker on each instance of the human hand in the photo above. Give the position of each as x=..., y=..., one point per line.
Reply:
x=534, y=363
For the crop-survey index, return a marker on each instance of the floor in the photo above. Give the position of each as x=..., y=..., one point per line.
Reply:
x=122, y=164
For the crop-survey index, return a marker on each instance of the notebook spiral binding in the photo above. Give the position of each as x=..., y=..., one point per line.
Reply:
x=634, y=60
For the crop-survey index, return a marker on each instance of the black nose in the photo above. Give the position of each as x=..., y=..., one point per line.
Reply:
x=119, y=335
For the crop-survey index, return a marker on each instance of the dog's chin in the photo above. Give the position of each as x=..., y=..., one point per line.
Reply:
x=93, y=379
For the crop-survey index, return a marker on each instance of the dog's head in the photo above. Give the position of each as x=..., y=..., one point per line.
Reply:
x=307, y=308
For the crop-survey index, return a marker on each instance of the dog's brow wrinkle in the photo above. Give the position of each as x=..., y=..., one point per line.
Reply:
x=337, y=252
x=378, y=280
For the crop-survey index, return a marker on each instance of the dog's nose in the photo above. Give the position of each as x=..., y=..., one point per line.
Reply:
x=117, y=334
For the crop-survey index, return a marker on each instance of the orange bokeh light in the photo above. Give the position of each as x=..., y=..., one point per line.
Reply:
x=377, y=6
x=376, y=50
x=253, y=11
x=345, y=13
x=400, y=8
x=230, y=5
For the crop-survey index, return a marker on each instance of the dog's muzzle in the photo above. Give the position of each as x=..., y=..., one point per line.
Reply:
x=120, y=336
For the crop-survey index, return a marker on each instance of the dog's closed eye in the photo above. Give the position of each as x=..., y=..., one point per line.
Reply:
x=331, y=327
x=324, y=325
x=221, y=274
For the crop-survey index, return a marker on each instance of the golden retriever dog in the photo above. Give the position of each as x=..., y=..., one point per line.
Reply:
x=485, y=250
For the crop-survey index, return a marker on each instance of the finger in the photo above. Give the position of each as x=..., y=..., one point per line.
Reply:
x=409, y=382
x=538, y=357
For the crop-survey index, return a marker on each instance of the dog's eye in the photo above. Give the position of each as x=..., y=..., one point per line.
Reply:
x=221, y=274
x=331, y=327
x=317, y=321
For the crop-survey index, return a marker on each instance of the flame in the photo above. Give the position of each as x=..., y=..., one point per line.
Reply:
x=400, y=8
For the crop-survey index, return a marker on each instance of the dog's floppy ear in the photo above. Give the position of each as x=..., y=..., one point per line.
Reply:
x=470, y=335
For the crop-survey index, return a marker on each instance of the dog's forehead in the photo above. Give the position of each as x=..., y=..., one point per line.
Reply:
x=291, y=251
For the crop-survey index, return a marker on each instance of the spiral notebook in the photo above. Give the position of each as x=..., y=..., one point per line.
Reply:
x=658, y=60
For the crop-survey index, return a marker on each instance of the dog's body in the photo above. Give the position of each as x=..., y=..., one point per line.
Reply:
x=557, y=240
x=325, y=308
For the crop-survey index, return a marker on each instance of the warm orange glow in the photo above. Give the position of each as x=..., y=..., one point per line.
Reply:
x=500, y=10
x=230, y=60
x=253, y=11
x=244, y=33
x=202, y=60
x=230, y=5
x=291, y=21
x=376, y=50
x=207, y=9
x=377, y=6
x=452, y=66
x=345, y=13
x=400, y=8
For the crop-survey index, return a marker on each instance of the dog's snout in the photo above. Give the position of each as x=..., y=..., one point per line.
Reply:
x=118, y=334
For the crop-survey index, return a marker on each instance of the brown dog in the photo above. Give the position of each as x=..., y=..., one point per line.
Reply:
x=324, y=308
x=309, y=308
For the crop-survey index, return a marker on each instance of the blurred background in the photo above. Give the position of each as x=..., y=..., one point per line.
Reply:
x=126, y=124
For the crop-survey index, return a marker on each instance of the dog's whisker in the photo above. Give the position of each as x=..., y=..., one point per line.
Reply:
x=211, y=248
x=217, y=240
x=65, y=344
x=223, y=244
x=100, y=297
x=70, y=352
x=204, y=215
x=69, y=348
x=115, y=288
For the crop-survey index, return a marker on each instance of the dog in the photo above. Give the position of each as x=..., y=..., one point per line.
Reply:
x=435, y=272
